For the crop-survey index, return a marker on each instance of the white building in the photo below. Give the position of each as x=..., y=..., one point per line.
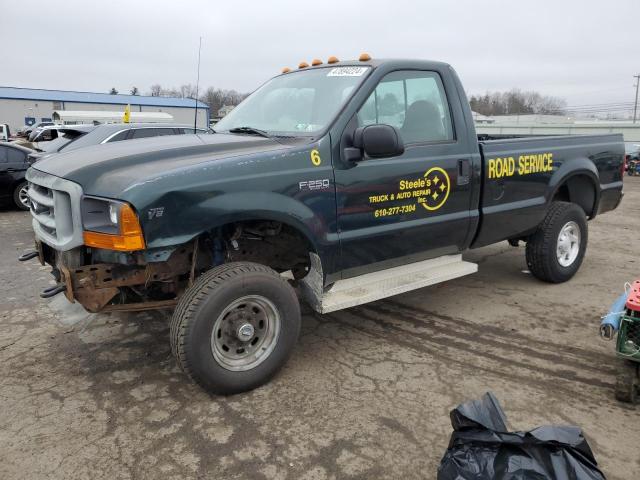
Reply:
x=26, y=106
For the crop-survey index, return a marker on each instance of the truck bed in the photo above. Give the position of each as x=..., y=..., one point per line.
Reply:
x=522, y=174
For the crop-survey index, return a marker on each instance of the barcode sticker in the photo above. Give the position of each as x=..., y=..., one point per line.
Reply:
x=347, y=72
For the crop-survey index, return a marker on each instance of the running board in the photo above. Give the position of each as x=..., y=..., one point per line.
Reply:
x=385, y=283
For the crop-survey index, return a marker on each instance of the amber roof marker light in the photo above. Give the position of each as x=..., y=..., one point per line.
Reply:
x=333, y=59
x=364, y=57
x=315, y=62
x=286, y=70
x=303, y=65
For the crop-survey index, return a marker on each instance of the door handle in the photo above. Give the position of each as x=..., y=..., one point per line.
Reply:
x=464, y=171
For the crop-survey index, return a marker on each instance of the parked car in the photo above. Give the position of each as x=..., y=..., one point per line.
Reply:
x=632, y=151
x=64, y=135
x=313, y=176
x=27, y=129
x=5, y=132
x=13, y=165
x=107, y=133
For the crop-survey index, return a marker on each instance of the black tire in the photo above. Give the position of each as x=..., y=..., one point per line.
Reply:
x=628, y=382
x=16, y=196
x=541, y=255
x=192, y=325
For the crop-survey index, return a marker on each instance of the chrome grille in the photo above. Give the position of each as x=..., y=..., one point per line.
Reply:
x=55, y=208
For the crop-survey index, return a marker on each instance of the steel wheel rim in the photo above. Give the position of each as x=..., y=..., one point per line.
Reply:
x=245, y=333
x=23, y=196
x=568, y=244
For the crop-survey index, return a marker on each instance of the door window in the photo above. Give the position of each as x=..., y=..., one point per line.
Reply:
x=412, y=101
x=15, y=156
x=165, y=131
x=145, y=133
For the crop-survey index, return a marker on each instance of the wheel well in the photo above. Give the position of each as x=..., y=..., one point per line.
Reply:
x=580, y=190
x=271, y=243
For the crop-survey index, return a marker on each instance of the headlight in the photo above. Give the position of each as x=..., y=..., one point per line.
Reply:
x=111, y=225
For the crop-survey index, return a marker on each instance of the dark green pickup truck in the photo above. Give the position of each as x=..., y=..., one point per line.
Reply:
x=350, y=181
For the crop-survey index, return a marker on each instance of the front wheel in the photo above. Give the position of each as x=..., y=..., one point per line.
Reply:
x=21, y=196
x=235, y=327
x=556, y=250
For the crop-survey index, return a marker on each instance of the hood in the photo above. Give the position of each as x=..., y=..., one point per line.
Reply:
x=106, y=170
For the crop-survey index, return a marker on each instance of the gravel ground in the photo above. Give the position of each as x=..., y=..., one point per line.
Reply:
x=366, y=394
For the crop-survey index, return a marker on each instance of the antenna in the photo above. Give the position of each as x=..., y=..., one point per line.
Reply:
x=195, y=118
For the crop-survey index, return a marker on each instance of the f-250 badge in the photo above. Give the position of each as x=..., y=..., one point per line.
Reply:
x=321, y=184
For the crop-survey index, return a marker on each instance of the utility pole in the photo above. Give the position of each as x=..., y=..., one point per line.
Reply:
x=635, y=105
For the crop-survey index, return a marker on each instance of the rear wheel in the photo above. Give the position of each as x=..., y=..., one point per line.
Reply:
x=21, y=196
x=235, y=327
x=556, y=250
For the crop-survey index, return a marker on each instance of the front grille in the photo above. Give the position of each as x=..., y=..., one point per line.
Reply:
x=55, y=206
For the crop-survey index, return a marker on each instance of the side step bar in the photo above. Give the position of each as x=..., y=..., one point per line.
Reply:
x=385, y=283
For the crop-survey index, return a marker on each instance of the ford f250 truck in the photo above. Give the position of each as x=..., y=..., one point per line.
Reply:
x=351, y=181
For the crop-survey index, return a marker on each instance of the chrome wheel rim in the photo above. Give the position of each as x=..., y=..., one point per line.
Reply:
x=245, y=333
x=568, y=245
x=23, y=196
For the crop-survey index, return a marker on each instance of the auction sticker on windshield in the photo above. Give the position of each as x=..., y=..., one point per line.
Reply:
x=347, y=72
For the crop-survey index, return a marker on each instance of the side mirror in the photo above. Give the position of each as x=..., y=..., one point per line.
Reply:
x=378, y=141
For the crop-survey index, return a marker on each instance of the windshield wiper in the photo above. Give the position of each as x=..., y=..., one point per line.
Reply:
x=251, y=131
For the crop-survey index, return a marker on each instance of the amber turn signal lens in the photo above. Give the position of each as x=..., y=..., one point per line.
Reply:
x=333, y=59
x=130, y=237
x=303, y=65
x=364, y=57
x=316, y=61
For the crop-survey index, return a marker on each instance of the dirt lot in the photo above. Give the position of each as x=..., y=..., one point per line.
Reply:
x=366, y=394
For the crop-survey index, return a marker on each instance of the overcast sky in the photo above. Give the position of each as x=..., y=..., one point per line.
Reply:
x=585, y=51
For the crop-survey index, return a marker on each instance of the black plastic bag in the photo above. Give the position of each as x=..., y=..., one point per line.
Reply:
x=482, y=448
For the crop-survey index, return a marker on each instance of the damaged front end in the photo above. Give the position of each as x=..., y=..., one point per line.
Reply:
x=97, y=251
x=103, y=280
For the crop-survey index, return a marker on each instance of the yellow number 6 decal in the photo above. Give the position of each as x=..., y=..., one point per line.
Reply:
x=315, y=157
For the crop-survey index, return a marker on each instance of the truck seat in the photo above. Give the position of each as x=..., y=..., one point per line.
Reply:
x=422, y=123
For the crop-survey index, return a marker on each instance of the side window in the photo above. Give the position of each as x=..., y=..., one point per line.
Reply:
x=15, y=156
x=3, y=154
x=145, y=133
x=414, y=102
x=164, y=131
x=120, y=136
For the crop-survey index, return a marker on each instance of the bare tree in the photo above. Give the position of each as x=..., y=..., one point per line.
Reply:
x=113, y=91
x=156, y=90
x=134, y=91
x=517, y=102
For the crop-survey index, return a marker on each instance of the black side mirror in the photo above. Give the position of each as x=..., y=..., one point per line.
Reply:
x=378, y=141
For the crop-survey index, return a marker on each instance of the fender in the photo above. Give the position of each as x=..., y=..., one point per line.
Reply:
x=581, y=166
x=198, y=216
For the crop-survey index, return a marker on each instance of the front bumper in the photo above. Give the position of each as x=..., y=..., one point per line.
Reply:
x=104, y=286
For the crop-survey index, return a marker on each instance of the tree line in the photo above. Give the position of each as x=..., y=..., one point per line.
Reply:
x=215, y=98
x=517, y=102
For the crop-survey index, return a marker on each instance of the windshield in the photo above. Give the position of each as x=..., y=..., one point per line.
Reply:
x=298, y=103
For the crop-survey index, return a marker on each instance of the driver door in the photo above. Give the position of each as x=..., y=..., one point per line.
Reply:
x=413, y=206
